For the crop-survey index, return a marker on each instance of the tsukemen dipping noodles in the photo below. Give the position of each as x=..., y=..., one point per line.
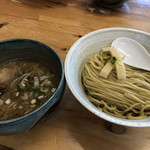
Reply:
x=116, y=88
x=24, y=86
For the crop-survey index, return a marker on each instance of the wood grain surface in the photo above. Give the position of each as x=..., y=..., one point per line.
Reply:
x=59, y=23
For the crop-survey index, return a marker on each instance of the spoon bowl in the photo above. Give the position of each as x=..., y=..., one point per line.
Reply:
x=136, y=55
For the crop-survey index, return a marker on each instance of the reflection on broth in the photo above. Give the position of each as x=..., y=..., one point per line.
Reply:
x=24, y=86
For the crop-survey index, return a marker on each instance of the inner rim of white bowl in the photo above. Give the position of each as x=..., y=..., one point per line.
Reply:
x=84, y=48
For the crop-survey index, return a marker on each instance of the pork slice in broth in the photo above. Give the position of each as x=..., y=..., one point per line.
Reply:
x=6, y=74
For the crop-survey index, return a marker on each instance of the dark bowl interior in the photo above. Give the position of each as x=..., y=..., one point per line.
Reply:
x=31, y=50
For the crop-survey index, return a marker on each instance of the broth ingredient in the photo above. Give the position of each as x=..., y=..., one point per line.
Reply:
x=1, y=102
x=6, y=74
x=24, y=86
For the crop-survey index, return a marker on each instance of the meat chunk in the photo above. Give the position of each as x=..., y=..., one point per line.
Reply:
x=6, y=74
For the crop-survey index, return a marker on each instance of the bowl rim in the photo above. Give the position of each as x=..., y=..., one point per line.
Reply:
x=107, y=117
x=27, y=116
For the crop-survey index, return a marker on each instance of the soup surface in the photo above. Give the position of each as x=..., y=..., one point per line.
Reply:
x=24, y=86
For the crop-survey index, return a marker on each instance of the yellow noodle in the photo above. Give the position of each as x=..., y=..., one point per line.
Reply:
x=129, y=99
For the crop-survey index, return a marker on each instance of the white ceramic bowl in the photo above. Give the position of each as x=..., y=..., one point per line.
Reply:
x=89, y=45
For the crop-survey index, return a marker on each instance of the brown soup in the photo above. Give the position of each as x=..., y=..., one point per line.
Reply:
x=24, y=86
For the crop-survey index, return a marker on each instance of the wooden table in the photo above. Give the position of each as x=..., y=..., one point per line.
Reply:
x=59, y=23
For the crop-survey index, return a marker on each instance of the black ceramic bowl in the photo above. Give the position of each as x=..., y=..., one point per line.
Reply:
x=110, y=3
x=31, y=50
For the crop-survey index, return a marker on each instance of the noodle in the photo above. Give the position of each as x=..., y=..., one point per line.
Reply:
x=128, y=99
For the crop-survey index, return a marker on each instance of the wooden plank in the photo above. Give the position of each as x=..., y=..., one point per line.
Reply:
x=59, y=24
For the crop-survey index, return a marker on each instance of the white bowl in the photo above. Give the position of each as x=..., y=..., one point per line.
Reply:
x=89, y=45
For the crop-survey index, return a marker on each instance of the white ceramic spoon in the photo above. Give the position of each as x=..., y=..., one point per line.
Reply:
x=137, y=55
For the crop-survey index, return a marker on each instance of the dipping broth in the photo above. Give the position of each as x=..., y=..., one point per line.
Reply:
x=24, y=86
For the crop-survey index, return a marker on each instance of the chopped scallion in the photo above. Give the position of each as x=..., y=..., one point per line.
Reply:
x=32, y=106
x=21, y=87
x=111, y=59
x=36, y=91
